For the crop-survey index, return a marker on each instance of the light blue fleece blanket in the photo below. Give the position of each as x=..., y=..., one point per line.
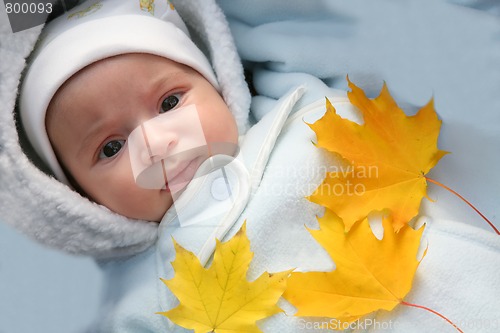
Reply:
x=422, y=49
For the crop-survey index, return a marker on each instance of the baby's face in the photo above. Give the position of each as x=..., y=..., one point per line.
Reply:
x=93, y=113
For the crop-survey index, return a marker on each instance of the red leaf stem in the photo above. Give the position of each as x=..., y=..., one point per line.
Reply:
x=465, y=200
x=433, y=311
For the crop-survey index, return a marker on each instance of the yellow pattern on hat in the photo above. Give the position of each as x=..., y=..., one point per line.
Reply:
x=147, y=6
x=87, y=11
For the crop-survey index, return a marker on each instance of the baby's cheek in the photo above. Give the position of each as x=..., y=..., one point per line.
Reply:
x=224, y=130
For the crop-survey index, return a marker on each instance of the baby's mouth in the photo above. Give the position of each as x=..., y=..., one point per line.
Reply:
x=178, y=178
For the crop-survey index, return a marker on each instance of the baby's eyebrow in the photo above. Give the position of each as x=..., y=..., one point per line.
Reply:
x=166, y=78
x=159, y=81
x=93, y=135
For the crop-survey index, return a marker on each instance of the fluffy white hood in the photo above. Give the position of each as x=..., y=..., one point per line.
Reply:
x=49, y=211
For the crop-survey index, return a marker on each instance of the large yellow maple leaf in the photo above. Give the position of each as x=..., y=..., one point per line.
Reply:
x=388, y=157
x=370, y=274
x=220, y=299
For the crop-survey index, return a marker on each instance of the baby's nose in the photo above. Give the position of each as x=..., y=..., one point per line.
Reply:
x=164, y=145
x=159, y=142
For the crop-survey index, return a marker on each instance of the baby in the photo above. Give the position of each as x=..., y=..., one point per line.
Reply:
x=79, y=118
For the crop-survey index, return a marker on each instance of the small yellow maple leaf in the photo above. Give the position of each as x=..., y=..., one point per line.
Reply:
x=370, y=274
x=388, y=156
x=220, y=299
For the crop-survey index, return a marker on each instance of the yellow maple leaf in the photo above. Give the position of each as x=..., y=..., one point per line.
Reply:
x=220, y=299
x=370, y=274
x=388, y=156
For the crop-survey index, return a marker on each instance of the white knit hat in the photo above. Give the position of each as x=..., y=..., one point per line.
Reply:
x=92, y=31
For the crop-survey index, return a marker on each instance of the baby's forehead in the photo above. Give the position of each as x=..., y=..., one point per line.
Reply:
x=118, y=82
x=143, y=65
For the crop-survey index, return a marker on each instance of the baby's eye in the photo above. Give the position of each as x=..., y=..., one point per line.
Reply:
x=169, y=103
x=111, y=148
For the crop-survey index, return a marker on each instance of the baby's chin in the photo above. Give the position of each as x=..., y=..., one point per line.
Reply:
x=159, y=213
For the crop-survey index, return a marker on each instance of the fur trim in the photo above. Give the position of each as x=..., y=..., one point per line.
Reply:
x=208, y=21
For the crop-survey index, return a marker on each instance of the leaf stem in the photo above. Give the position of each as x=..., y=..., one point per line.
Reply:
x=465, y=200
x=433, y=311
